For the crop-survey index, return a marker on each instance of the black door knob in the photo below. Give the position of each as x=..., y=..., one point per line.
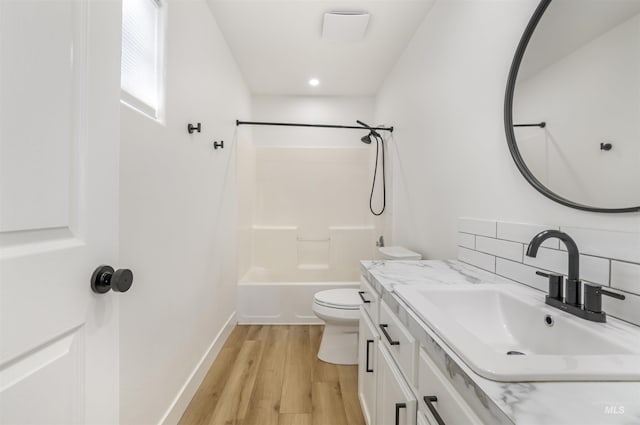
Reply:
x=105, y=278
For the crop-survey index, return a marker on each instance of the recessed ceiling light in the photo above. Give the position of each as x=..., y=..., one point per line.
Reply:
x=314, y=82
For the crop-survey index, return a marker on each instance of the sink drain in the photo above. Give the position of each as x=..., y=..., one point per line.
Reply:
x=515, y=353
x=548, y=320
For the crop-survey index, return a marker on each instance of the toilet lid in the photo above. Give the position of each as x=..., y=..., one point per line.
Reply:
x=344, y=299
x=398, y=253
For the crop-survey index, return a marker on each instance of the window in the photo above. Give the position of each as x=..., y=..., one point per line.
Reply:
x=141, y=74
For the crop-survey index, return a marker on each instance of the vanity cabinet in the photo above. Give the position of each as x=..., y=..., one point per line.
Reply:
x=396, y=402
x=395, y=374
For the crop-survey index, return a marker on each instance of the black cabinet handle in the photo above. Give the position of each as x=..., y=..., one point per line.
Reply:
x=367, y=369
x=430, y=399
x=384, y=331
x=398, y=407
x=361, y=293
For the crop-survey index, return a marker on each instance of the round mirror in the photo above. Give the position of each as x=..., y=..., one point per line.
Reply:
x=572, y=106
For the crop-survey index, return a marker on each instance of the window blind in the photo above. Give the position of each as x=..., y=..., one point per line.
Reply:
x=141, y=54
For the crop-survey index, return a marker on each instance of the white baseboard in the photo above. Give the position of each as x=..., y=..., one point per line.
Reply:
x=186, y=393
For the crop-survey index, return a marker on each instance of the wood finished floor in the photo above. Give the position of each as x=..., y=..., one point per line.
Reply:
x=270, y=375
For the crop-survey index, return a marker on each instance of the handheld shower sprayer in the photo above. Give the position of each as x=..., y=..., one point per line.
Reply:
x=379, y=141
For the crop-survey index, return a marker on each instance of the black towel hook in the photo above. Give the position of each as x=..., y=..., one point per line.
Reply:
x=191, y=128
x=605, y=146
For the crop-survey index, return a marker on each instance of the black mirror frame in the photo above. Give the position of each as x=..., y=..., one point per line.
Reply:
x=508, y=122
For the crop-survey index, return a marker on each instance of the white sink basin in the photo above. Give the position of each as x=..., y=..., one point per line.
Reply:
x=483, y=323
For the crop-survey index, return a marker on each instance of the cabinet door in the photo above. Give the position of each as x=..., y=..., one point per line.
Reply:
x=367, y=368
x=445, y=402
x=398, y=340
x=423, y=420
x=396, y=403
x=370, y=299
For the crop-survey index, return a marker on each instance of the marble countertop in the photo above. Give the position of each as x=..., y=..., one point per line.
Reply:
x=521, y=403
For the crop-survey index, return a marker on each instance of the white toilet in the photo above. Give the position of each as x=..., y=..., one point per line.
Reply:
x=340, y=310
x=398, y=253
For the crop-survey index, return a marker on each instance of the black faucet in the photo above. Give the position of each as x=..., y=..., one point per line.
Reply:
x=574, y=287
x=591, y=310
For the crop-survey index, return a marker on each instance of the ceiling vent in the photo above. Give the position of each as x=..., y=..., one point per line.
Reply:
x=344, y=26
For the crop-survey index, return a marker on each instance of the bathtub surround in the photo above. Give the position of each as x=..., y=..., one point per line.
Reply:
x=268, y=170
x=608, y=258
x=177, y=222
x=449, y=153
x=312, y=213
x=304, y=220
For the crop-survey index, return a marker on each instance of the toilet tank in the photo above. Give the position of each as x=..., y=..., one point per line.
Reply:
x=398, y=253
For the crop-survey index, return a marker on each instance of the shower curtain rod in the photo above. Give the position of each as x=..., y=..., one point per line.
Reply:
x=289, y=124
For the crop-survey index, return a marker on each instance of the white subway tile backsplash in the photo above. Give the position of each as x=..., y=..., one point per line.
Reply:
x=477, y=227
x=593, y=269
x=627, y=309
x=505, y=249
x=606, y=258
x=521, y=273
x=520, y=232
x=466, y=240
x=625, y=276
x=605, y=243
x=548, y=259
x=478, y=259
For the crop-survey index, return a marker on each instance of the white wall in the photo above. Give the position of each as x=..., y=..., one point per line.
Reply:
x=178, y=218
x=311, y=110
x=587, y=97
x=445, y=99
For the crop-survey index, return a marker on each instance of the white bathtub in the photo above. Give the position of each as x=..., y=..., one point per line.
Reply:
x=289, y=265
x=263, y=301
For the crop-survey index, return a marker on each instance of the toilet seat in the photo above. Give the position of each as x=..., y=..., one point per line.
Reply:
x=337, y=315
x=339, y=299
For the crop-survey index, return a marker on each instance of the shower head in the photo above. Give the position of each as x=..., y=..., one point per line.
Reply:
x=366, y=139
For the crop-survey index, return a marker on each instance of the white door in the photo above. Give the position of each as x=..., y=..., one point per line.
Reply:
x=59, y=135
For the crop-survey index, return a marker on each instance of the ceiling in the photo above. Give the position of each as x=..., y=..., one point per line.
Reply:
x=278, y=44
